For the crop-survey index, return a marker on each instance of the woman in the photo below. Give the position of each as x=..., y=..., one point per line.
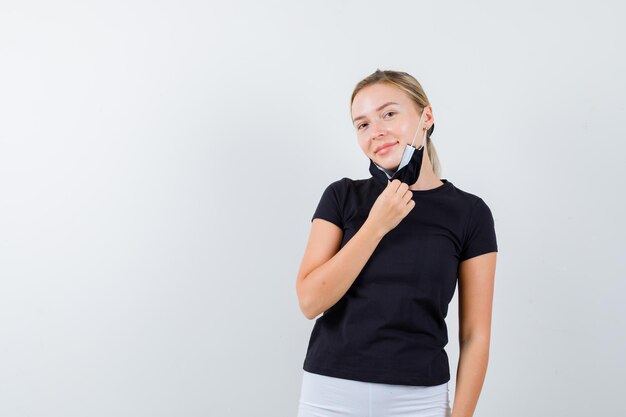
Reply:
x=382, y=263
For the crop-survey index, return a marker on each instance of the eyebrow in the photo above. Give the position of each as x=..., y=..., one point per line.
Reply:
x=378, y=109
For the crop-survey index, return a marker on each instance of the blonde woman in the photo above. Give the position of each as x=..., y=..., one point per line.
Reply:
x=381, y=266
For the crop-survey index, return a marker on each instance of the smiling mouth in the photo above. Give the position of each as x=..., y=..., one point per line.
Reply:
x=385, y=148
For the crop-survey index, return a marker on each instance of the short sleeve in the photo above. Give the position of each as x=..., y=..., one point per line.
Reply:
x=330, y=205
x=480, y=235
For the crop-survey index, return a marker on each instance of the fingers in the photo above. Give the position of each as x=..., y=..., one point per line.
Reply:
x=400, y=188
x=408, y=196
x=410, y=206
x=396, y=185
x=393, y=185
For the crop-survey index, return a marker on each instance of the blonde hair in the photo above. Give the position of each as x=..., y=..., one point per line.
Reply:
x=414, y=90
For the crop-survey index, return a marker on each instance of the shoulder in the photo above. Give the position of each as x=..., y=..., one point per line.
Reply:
x=478, y=231
x=346, y=185
x=468, y=199
x=341, y=183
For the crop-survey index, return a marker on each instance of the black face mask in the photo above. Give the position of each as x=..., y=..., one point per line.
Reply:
x=407, y=174
x=409, y=169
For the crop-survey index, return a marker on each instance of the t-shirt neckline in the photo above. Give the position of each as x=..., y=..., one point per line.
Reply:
x=446, y=184
x=380, y=177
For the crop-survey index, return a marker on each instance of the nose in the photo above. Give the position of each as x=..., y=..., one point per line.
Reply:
x=377, y=130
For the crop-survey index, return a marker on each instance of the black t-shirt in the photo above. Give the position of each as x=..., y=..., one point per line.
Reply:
x=390, y=325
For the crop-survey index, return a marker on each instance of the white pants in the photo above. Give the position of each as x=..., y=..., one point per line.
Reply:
x=325, y=396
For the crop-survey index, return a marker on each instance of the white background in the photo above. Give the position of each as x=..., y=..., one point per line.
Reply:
x=160, y=162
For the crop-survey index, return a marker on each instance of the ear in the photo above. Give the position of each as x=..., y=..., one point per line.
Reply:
x=429, y=120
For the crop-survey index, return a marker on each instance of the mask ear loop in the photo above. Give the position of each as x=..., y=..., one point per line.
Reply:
x=418, y=129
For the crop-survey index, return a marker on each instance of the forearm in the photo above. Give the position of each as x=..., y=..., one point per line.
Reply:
x=325, y=285
x=473, y=359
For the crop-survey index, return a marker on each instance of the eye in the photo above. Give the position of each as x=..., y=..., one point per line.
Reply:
x=361, y=125
x=390, y=113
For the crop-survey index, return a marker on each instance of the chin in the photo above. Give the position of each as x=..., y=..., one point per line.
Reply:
x=387, y=161
x=388, y=165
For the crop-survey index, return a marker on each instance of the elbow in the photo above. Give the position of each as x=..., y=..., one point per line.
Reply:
x=309, y=315
x=306, y=306
x=308, y=309
x=476, y=338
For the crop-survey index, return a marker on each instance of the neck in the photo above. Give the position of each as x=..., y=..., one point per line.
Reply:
x=427, y=178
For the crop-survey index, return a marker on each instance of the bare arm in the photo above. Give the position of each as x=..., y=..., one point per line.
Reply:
x=476, y=283
x=327, y=273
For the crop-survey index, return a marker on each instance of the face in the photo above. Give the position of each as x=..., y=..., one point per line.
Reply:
x=384, y=115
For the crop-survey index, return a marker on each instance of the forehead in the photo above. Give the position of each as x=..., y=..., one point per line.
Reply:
x=373, y=96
